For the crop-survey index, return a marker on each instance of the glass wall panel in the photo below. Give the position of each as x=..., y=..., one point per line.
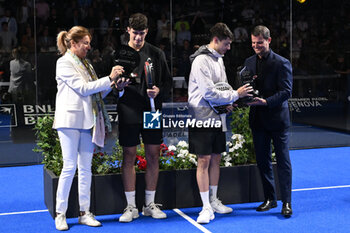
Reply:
x=18, y=84
x=320, y=57
x=312, y=34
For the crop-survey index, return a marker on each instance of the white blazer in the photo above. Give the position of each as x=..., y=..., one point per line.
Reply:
x=74, y=90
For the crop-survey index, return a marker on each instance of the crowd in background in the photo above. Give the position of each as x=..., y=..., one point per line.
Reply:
x=320, y=31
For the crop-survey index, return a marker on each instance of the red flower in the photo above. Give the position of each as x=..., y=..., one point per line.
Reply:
x=141, y=163
x=170, y=153
x=100, y=154
x=163, y=148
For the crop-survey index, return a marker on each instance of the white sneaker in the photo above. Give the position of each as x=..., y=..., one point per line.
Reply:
x=153, y=210
x=89, y=219
x=130, y=213
x=61, y=222
x=205, y=215
x=218, y=207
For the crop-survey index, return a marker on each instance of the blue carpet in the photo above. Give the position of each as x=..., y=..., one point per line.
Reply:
x=320, y=167
x=21, y=188
x=321, y=210
x=314, y=211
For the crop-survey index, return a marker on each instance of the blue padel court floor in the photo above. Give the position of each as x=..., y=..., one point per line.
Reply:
x=320, y=201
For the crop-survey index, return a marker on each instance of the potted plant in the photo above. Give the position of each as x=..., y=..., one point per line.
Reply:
x=177, y=185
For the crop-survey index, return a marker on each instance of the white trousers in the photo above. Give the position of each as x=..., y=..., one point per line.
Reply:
x=77, y=149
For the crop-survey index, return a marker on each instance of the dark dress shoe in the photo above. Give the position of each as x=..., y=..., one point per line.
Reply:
x=268, y=204
x=287, y=209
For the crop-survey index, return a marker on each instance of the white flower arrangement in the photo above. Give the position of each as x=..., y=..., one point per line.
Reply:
x=235, y=146
x=172, y=148
x=177, y=157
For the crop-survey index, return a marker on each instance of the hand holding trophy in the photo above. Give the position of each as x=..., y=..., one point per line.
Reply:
x=245, y=76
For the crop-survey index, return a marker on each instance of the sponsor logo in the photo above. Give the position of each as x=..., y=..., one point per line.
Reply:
x=8, y=117
x=152, y=120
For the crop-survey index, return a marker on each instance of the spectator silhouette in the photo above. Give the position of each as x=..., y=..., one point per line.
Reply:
x=8, y=39
x=161, y=26
x=46, y=43
x=240, y=33
x=12, y=22
x=90, y=20
x=28, y=39
x=184, y=64
x=182, y=34
x=54, y=23
x=23, y=15
x=42, y=10
x=198, y=28
x=102, y=23
x=178, y=23
x=21, y=78
x=75, y=19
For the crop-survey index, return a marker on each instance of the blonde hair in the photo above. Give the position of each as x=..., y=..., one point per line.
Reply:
x=64, y=38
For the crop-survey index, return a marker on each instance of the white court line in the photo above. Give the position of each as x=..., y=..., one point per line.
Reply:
x=179, y=212
x=199, y=226
x=318, y=188
x=24, y=212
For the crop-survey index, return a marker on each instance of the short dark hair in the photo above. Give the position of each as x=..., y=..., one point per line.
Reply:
x=261, y=30
x=221, y=31
x=19, y=52
x=138, y=21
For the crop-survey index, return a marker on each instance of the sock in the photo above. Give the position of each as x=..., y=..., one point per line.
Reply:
x=149, y=197
x=130, y=198
x=213, y=192
x=205, y=198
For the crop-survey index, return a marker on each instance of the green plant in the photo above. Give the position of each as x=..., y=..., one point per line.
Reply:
x=240, y=146
x=103, y=163
x=172, y=157
x=48, y=144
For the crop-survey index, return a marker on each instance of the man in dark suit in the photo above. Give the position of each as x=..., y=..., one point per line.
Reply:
x=269, y=117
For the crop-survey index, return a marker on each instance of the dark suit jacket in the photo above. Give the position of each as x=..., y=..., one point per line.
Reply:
x=276, y=79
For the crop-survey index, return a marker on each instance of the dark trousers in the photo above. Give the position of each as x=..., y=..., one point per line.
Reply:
x=262, y=143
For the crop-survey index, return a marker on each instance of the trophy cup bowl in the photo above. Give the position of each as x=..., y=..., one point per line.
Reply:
x=245, y=76
x=128, y=58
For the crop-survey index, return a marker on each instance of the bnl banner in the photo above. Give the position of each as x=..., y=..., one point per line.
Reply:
x=12, y=115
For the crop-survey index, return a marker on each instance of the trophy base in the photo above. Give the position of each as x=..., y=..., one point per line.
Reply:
x=244, y=102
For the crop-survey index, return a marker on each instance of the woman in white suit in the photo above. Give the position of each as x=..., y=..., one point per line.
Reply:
x=80, y=119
